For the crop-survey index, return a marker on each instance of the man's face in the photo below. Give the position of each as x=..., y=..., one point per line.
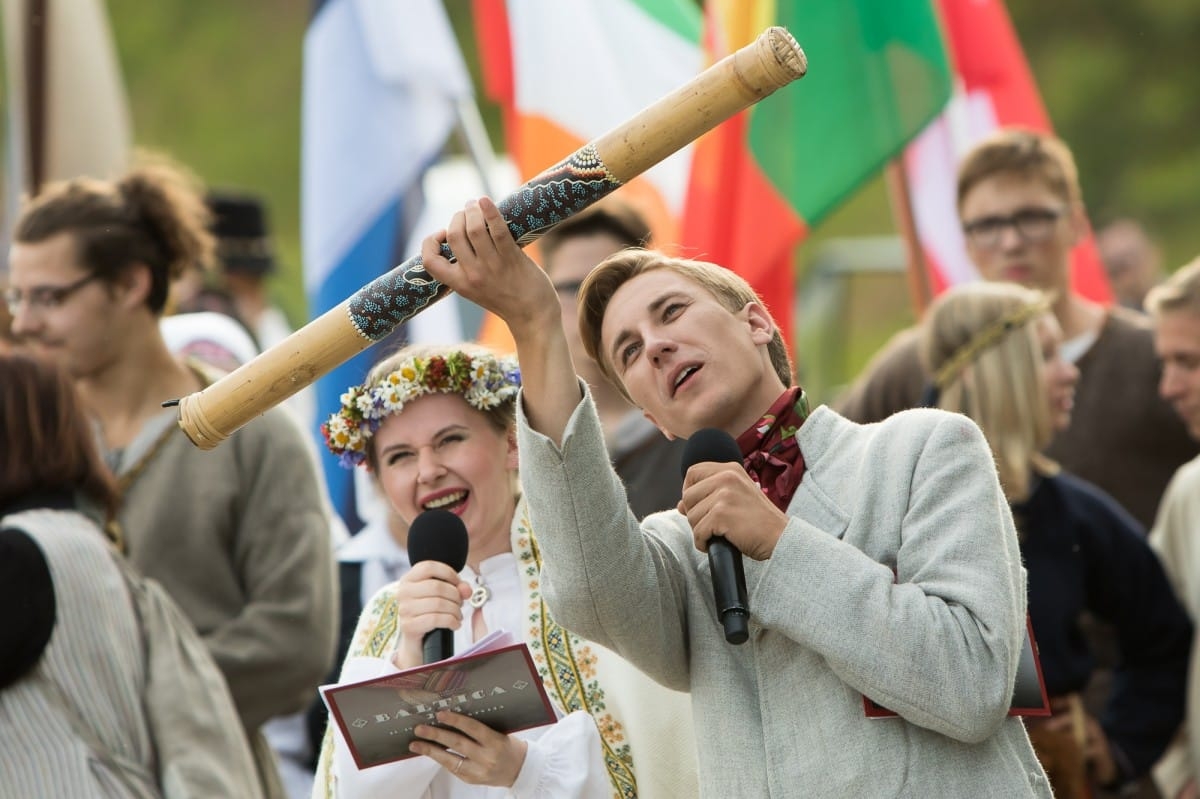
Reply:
x=1019, y=230
x=1133, y=262
x=61, y=313
x=572, y=262
x=686, y=360
x=1177, y=344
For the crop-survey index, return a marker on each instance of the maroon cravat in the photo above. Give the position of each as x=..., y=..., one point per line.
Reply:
x=769, y=449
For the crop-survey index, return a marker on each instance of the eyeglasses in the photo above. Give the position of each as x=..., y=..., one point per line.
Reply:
x=1033, y=225
x=44, y=298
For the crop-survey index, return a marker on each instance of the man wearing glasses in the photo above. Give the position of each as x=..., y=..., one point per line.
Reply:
x=45, y=297
x=40, y=299
x=1022, y=213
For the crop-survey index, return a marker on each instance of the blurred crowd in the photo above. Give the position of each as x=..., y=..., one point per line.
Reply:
x=122, y=294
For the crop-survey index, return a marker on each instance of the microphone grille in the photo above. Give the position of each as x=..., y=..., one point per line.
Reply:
x=438, y=535
x=709, y=445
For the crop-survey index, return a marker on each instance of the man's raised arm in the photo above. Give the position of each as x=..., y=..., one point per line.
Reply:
x=492, y=271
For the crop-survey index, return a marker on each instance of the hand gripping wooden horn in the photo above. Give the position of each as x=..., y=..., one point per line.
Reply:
x=736, y=82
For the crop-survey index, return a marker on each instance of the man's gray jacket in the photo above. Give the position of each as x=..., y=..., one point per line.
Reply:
x=898, y=577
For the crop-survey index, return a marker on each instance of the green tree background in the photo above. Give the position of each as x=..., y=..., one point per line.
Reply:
x=217, y=84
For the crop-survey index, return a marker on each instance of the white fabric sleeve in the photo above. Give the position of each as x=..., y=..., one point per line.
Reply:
x=606, y=577
x=564, y=762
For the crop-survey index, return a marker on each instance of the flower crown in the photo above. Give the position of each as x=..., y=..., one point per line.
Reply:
x=483, y=380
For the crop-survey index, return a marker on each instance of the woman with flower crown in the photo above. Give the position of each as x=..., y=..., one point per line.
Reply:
x=995, y=352
x=436, y=425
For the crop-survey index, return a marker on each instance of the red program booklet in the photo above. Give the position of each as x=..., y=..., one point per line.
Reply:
x=500, y=687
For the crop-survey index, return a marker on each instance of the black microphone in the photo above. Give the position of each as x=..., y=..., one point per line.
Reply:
x=438, y=535
x=724, y=560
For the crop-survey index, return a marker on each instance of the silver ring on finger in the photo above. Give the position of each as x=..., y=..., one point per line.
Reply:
x=458, y=765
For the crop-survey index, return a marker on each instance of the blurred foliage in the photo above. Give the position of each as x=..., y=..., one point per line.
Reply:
x=1119, y=80
x=217, y=84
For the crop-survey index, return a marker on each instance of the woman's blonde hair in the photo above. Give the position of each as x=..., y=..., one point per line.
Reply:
x=981, y=341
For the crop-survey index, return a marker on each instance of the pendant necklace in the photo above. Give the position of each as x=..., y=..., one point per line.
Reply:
x=481, y=594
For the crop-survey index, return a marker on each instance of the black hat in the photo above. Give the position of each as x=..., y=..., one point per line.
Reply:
x=240, y=225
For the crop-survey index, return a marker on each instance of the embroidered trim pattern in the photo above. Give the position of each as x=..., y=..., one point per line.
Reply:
x=568, y=668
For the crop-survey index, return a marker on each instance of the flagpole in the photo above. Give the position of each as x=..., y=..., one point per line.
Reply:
x=919, y=291
x=36, y=23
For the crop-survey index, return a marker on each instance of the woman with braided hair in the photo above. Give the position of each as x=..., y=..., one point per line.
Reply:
x=993, y=349
x=436, y=426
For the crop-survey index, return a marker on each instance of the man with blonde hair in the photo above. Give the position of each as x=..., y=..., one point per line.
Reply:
x=1022, y=213
x=1174, y=307
x=646, y=461
x=881, y=561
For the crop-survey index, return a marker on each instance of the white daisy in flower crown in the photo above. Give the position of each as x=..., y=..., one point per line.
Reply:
x=484, y=380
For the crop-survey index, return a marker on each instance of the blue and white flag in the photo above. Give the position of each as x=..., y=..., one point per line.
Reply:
x=381, y=83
